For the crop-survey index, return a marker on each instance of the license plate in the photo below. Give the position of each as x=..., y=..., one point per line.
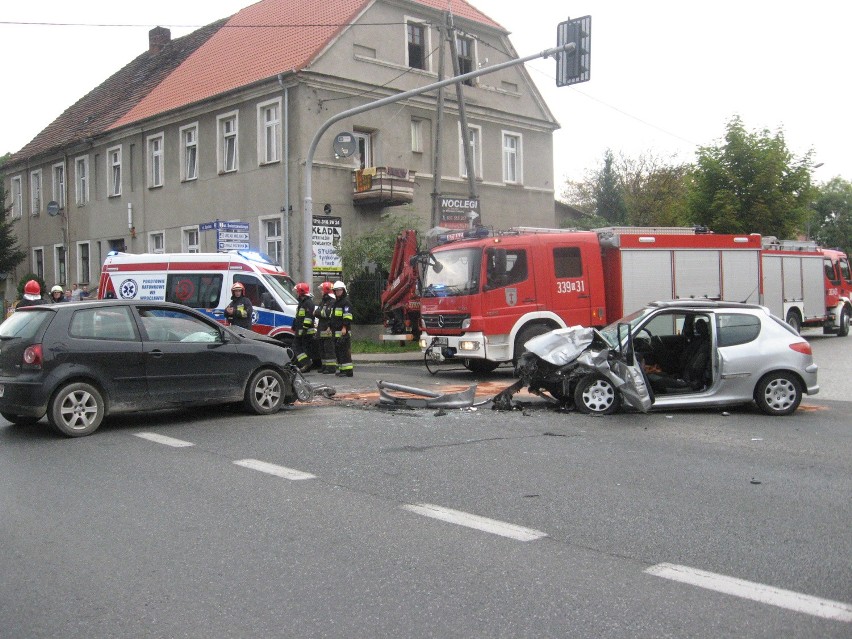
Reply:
x=440, y=341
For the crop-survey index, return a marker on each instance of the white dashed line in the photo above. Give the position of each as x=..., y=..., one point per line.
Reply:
x=762, y=593
x=475, y=521
x=162, y=439
x=272, y=469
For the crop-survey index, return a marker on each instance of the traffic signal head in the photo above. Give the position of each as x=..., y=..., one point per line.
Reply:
x=574, y=66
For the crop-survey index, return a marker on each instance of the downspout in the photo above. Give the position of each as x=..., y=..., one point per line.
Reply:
x=286, y=173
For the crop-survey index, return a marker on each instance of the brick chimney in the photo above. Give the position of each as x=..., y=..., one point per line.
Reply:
x=158, y=38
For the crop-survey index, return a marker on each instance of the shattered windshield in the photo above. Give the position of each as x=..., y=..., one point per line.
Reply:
x=610, y=333
x=453, y=272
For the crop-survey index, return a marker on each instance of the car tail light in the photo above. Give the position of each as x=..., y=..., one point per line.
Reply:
x=802, y=347
x=33, y=356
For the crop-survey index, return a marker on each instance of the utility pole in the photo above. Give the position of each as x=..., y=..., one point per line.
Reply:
x=436, y=151
x=468, y=156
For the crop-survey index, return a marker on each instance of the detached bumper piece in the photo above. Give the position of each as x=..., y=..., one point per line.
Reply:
x=425, y=398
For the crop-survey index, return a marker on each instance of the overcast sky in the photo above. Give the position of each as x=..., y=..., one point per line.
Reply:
x=665, y=75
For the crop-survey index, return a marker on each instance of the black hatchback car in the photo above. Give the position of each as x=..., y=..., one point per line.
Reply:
x=79, y=362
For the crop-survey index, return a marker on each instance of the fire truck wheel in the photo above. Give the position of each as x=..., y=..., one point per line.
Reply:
x=525, y=335
x=794, y=320
x=480, y=366
x=843, y=329
x=595, y=395
x=778, y=393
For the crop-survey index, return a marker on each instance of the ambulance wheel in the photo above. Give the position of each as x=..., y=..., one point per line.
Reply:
x=265, y=392
x=596, y=395
x=480, y=366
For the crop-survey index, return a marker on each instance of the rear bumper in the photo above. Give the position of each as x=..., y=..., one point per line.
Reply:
x=22, y=397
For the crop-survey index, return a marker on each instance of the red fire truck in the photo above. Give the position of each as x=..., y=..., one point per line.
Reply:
x=806, y=285
x=484, y=295
x=400, y=301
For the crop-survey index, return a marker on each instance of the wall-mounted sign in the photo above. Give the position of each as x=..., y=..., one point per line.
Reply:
x=327, y=233
x=345, y=145
x=458, y=212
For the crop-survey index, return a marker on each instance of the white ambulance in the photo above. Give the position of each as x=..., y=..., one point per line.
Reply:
x=203, y=281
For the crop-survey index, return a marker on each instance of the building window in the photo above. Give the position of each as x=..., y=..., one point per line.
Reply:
x=228, y=158
x=512, y=166
x=474, y=139
x=416, y=38
x=155, y=161
x=416, y=135
x=81, y=171
x=189, y=242
x=83, y=263
x=156, y=242
x=61, y=272
x=114, y=171
x=38, y=262
x=269, y=132
x=364, y=140
x=465, y=54
x=273, y=240
x=17, y=196
x=59, y=184
x=35, y=192
x=189, y=152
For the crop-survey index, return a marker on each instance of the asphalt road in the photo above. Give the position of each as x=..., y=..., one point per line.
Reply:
x=341, y=519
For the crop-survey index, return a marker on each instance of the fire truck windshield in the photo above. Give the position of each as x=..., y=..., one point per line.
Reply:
x=453, y=272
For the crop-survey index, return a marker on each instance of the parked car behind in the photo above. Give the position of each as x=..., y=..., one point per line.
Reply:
x=80, y=362
x=679, y=354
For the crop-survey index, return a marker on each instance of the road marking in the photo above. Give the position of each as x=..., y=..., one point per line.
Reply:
x=475, y=521
x=162, y=439
x=272, y=469
x=762, y=593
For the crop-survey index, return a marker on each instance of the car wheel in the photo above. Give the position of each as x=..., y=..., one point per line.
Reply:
x=794, y=320
x=76, y=409
x=480, y=366
x=778, y=393
x=265, y=392
x=843, y=329
x=596, y=395
x=20, y=420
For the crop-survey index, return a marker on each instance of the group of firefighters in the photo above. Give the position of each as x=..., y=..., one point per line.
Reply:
x=322, y=331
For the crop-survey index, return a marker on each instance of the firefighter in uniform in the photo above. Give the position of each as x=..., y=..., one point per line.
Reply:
x=325, y=335
x=32, y=295
x=303, y=326
x=341, y=324
x=239, y=310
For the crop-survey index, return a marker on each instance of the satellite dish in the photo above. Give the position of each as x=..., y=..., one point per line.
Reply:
x=344, y=144
x=53, y=208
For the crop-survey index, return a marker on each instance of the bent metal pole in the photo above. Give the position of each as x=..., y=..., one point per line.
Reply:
x=308, y=208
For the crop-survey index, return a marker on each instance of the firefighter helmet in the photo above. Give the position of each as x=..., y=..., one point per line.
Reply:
x=326, y=287
x=32, y=288
x=338, y=284
x=57, y=289
x=238, y=286
x=302, y=288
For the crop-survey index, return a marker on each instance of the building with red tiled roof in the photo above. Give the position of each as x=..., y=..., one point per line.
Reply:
x=216, y=125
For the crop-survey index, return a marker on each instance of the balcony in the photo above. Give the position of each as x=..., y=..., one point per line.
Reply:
x=382, y=186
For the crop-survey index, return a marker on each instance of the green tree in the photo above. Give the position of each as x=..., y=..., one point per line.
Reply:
x=831, y=224
x=751, y=183
x=10, y=252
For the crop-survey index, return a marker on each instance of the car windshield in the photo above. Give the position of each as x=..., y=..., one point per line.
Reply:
x=610, y=333
x=283, y=285
x=453, y=272
x=24, y=323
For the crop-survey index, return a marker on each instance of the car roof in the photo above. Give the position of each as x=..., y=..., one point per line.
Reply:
x=705, y=305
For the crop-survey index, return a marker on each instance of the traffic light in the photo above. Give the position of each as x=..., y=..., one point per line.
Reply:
x=573, y=66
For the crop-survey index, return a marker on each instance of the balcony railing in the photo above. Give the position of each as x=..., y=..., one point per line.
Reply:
x=382, y=186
